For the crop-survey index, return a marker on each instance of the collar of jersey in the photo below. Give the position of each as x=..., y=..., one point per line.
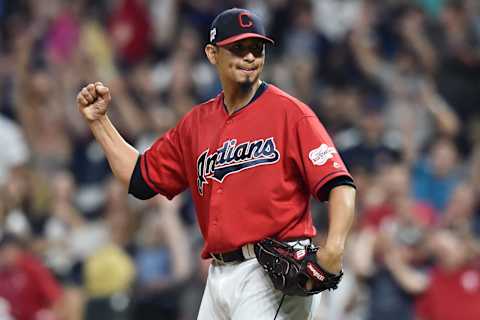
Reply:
x=260, y=90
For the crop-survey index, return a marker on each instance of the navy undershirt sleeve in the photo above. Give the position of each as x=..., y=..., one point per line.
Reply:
x=324, y=192
x=138, y=187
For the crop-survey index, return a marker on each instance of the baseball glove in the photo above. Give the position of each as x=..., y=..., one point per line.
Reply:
x=290, y=267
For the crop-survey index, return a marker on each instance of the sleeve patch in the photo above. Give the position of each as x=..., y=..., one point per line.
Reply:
x=322, y=154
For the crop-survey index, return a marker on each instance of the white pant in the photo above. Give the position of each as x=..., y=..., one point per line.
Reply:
x=243, y=291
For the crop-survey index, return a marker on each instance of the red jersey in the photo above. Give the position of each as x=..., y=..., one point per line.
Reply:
x=28, y=288
x=251, y=173
x=452, y=295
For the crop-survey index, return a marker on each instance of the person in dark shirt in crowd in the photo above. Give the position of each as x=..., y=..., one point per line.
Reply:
x=371, y=147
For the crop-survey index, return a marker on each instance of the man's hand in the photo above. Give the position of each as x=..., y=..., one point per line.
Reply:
x=330, y=259
x=93, y=100
x=294, y=269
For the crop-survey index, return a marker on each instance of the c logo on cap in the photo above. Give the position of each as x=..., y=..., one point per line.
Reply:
x=245, y=20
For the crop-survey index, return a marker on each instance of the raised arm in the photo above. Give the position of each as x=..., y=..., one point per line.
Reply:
x=413, y=32
x=445, y=117
x=409, y=278
x=363, y=45
x=92, y=102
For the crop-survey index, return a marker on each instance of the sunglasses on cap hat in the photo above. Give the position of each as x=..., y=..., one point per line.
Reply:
x=236, y=24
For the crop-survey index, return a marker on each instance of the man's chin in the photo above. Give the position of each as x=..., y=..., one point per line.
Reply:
x=247, y=84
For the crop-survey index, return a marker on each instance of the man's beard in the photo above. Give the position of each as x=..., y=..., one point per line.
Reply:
x=246, y=86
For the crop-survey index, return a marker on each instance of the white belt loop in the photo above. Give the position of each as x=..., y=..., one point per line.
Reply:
x=248, y=251
x=219, y=260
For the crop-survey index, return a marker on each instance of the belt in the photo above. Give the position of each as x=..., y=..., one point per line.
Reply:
x=245, y=252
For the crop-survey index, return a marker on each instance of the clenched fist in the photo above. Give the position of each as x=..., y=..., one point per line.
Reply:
x=93, y=100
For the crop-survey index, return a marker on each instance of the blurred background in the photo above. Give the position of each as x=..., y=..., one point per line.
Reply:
x=396, y=83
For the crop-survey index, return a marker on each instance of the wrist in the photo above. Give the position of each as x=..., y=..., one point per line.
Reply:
x=330, y=261
x=98, y=120
x=334, y=246
x=333, y=251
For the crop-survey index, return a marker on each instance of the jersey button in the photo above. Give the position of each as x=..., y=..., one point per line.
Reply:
x=219, y=190
x=229, y=121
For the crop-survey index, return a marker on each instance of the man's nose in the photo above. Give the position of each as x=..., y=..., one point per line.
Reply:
x=249, y=57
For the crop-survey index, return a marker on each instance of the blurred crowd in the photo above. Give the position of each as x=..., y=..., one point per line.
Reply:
x=396, y=83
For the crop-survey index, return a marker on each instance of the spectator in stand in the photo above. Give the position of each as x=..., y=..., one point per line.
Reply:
x=109, y=272
x=28, y=290
x=63, y=34
x=436, y=175
x=461, y=211
x=394, y=227
x=163, y=262
x=25, y=203
x=415, y=111
x=131, y=30
x=453, y=288
x=14, y=148
x=371, y=148
x=340, y=107
x=458, y=42
x=61, y=224
x=474, y=162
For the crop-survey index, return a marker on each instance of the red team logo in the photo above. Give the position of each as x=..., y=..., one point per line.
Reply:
x=245, y=20
x=232, y=158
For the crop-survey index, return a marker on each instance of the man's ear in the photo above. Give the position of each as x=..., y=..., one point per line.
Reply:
x=211, y=52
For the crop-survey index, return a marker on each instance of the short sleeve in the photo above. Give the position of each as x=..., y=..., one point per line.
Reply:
x=162, y=165
x=315, y=155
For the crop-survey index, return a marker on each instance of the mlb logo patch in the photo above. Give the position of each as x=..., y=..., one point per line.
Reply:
x=213, y=34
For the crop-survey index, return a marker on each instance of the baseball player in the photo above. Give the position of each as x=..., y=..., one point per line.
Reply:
x=252, y=157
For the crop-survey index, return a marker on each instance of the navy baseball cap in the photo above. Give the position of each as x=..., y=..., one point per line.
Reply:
x=236, y=24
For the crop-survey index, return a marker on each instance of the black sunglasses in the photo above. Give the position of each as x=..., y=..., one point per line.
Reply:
x=241, y=50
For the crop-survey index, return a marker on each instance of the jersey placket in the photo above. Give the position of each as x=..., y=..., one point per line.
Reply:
x=217, y=190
